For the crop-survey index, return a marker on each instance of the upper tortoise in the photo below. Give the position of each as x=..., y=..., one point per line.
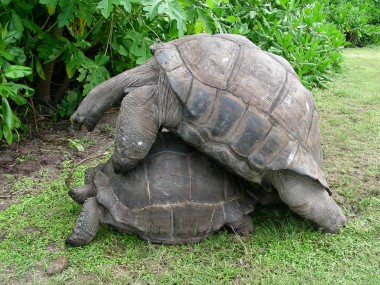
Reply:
x=244, y=107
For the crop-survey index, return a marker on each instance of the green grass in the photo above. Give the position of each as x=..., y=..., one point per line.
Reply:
x=285, y=249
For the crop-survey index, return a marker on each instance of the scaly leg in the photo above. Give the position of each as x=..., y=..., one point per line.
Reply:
x=103, y=96
x=308, y=199
x=136, y=128
x=87, y=224
x=243, y=226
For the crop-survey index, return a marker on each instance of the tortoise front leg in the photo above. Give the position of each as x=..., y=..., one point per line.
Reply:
x=103, y=96
x=86, y=225
x=136, y=128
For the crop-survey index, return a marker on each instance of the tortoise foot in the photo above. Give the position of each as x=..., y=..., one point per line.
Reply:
x=244, y=226
x=86, y=225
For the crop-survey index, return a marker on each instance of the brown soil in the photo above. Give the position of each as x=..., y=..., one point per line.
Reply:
x=39, y=155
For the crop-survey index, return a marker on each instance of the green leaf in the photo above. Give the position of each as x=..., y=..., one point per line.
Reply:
x=27, y=91
x=82, y=75
x=50, y=5
x=40, y=70
x=5, y=90
x=11, y=37
x=7, y=134
x=96, y=75
x=17, y=71
x=106, y=7
x=101, y=59
x=16, y=24
x=68, y=9
x=18, y=55
x=243, y=29
x=151, y=7
x=211, y=3
x=70, y=70
x=19, y=100
x=204, y=23
x=76, y=144
x=175, y=12
x=7, y=55
x=5, y=2
x=127, y=5
x=9, y=90
x=92, y=73
x=7, y=114
x=231, y=19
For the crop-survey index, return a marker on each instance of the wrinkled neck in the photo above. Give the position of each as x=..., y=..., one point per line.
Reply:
x=170, y=108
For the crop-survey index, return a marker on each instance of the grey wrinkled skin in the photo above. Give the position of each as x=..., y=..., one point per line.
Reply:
x=244, y=107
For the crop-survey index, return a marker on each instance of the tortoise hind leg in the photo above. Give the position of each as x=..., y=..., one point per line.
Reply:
x=308, y=199
x=244, y=226
x=87, y=224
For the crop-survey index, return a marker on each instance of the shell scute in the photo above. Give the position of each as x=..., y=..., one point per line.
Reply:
x=204, y=178
x=252, y=129
x=294, y=111
x=160, y=222
x=273, y=142
x=210, y=61
x=191, y=220
x=228, y=113
x=168, y=176
x=200, y=103
x=131, y=189
x=259, y=75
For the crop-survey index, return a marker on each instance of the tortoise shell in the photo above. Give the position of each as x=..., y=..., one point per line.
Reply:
x=244, y=107
x=175, y=195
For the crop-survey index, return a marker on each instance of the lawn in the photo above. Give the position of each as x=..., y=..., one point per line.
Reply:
x=284, y=250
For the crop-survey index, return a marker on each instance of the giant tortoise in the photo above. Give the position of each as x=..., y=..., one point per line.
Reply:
x=242, y=106
x=175, y=195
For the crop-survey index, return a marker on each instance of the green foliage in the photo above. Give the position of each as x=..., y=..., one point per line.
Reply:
x=69, y=104
x=359, y=20
x=13, y=73
x=296, y=30
x=85, y=42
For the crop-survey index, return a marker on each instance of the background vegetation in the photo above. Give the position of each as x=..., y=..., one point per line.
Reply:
x=54, y=51
x=359, y=20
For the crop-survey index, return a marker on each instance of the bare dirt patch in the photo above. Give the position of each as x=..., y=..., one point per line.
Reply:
x=38, y=156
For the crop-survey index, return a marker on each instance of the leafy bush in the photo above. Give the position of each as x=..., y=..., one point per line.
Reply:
x=358, y=19
x=296, y=30
x=12, y=72
x=52, y=46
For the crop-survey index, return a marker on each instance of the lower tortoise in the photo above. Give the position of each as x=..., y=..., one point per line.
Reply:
x=176, y=195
